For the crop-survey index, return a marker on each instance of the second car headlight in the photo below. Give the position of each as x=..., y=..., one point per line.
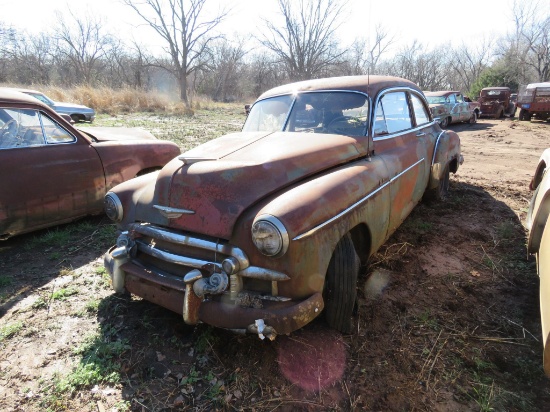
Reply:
x=269, y=235
x=113, y=207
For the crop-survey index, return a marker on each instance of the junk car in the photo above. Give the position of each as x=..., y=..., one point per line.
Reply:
x=534, y=101
x=53, y=173
x=538, y=243
x=77, y=112
x=496, y=102
x=451, y=107
x=263, y=230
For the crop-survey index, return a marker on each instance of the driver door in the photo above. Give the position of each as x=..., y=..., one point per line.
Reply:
x=49, y=176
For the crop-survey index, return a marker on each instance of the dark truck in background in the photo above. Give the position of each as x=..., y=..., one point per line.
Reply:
x=534, y=101
x=496, y=102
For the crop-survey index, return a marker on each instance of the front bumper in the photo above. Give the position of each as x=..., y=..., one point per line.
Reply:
x=208, y=298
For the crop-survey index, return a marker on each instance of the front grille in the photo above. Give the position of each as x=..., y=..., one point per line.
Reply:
x=175, y=254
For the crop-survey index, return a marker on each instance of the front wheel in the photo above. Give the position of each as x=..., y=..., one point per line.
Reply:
x=340, y=292
x=473, y=118
x=444, y=122
x=442, y=190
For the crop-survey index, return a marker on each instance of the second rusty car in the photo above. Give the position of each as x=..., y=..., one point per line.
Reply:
x=53, y=173
x=452, y=107
x=263, y=230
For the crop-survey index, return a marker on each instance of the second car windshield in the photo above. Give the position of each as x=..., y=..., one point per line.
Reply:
x=315, y=112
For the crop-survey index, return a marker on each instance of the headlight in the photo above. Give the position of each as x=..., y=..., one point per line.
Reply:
x=269, y=235
x=113, y=207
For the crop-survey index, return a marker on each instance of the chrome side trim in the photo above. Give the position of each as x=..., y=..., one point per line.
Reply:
x=190, y=160
x=353, y=206
x=159, y=233
x=436, y=145
x=402, y=132
x=172, y=212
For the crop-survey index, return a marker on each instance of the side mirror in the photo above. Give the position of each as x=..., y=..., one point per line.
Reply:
x=247, y=109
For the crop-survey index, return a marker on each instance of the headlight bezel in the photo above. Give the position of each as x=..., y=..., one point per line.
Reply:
x=279, y=230
x=113, y=207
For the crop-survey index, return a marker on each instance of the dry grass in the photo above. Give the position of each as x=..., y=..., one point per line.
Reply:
x=126, y=100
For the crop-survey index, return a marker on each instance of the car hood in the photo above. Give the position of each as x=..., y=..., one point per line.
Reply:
x=64, y=105
x=214, y=183
x=108, y=134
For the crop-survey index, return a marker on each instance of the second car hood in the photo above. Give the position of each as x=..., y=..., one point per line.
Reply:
x=107, y=134
x=217, y=181
x=64, y=105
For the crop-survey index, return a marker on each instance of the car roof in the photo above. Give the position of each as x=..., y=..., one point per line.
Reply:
x=441, y=93
x=495, y=88
x=534, y=85
x=9, y=95
x=370, y=85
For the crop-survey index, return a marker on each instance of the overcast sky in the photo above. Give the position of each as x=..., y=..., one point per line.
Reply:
x=432, y=22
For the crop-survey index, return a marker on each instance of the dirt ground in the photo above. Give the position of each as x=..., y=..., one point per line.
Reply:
x=447, y=320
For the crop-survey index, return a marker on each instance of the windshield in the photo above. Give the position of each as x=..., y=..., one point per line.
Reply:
x=315, y=112
x=494, y=93
x=435, y=99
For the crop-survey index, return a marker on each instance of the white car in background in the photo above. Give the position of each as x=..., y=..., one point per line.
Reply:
x=77, y=112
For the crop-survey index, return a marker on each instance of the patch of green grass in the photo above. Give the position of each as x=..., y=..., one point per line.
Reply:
x=5, y=281
x=55, y=256
x=192, y=378
x=10, y=330
x=506, y=231
x=39, y=303
x=99, y=364
x=418, y=225
x=52, y=238
x=106, y=234
x=64, y=293
x=205, y=339
x=426, y=319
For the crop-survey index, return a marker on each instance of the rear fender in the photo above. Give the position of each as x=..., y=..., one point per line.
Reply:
x=447, y=152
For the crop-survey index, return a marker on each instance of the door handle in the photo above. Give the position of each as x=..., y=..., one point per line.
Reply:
x=420, y=134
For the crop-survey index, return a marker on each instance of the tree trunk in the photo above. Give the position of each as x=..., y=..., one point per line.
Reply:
x=183, y=88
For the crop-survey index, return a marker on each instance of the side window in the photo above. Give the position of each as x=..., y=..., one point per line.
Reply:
x=20, y=128
x=420, y=112
x=459, y=98
x=55, y=133
x=395, y=111
x=452, y=98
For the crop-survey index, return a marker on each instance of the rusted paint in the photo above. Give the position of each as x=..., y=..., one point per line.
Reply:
x=451, y=106
x=496, y=102
x=318, y=186
x=49, y=184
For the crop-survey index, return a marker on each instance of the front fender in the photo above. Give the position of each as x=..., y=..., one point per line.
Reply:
x=539, y=210
x=316, y=214
x=446, y=152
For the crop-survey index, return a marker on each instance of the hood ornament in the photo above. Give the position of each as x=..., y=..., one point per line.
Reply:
x=172, y=212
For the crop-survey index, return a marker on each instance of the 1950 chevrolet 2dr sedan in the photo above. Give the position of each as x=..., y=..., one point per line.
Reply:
x=262, y=230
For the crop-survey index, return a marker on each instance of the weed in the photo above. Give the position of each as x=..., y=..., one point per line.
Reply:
x=52, y=238
x=5, y=281
x=425, y=319
x=484, y=396
x=10, y=330
x=505, y=230
x=64, y=293
x=98, y=365
x=192, y=378
x=39, y=303
x=55, y=256
x=206, y=338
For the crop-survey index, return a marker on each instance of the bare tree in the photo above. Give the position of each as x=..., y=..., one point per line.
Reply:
x=83, y=43
x=468, y=62
x=532, y=37
x=306, y=43
x=186, y=34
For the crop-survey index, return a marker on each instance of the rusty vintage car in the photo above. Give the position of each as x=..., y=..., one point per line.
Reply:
x=53, y=173
x=496, y=102
x=538, y=243
x=263, y=230
x=534, y=101
x=452, y=107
